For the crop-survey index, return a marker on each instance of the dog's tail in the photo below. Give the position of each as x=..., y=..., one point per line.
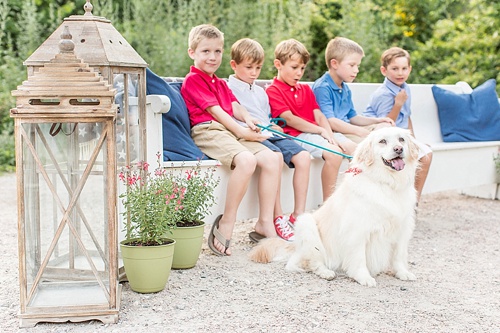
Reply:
x=271, y=249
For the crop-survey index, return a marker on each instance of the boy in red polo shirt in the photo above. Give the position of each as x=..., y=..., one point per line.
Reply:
x=295, y=102
x=212, y=106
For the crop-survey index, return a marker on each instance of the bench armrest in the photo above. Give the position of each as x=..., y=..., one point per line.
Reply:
x=159, y=103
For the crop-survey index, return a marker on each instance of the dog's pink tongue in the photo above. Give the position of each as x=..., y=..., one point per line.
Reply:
x=398, y=164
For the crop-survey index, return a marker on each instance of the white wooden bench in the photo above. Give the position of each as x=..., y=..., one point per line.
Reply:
x=466, y=167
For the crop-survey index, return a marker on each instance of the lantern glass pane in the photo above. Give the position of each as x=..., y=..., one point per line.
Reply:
x=65, y=213
x=127, y=121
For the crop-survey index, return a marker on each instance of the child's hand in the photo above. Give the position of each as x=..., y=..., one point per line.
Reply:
x=328, y=135
x=277, y=128
x=250, y=135
x=386, y=120
x=400, y=98
x=251, y=122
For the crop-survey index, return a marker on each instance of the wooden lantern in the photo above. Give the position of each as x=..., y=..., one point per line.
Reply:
x=66, y=179
x=101, y=46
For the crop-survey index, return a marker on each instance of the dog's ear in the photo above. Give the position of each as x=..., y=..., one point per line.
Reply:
x=364, y=152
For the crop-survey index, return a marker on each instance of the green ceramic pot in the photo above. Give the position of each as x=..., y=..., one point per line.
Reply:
x=188, y=241
x=147, y=267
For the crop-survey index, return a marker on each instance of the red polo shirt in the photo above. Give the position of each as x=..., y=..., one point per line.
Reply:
x=201, y=91
x=299, y=100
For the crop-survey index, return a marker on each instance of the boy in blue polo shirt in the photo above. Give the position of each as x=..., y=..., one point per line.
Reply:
x=393, y=99
x=343, y=57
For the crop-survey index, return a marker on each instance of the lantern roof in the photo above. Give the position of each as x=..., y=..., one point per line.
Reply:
x=97, y=43
x=65, y=83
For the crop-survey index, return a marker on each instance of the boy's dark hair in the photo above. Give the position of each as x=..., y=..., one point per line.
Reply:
x=289, y=48
x=247, y=49
x=394, y=52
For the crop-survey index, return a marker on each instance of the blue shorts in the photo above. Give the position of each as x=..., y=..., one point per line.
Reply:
x=287, y=147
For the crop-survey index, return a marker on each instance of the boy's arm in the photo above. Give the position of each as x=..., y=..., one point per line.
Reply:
x=364, y=121
x=240, y=113
x=348, y=128
x=399, y=101
x=239, y=131
x=323, y=123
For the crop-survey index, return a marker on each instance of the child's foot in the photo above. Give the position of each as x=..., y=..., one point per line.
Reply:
x=291, y=221
x=283, y=228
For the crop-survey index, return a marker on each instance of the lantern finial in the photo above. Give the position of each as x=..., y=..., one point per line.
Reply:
x=66, y=45
x=88, y=8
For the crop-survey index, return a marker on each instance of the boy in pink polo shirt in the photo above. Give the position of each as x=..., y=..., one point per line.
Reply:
x=212, y=106
x=295, y=102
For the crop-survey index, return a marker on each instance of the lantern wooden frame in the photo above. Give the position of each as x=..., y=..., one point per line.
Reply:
x=81, y=283
x=102, y=47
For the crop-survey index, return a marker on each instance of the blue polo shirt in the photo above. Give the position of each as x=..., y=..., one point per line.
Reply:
x=334, y=101
x=382, y=101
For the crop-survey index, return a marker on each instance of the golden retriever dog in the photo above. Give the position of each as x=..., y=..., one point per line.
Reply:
x=365, y=226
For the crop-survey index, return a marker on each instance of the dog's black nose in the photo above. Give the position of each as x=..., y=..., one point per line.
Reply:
x=398, y=150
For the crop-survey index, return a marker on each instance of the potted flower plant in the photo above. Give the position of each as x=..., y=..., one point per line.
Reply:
x=195, y=195
x=149, y=213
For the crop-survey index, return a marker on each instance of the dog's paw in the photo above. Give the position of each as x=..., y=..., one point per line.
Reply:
x=366, y=281
x=292, y=267
x=406, y=275
x=325, y=273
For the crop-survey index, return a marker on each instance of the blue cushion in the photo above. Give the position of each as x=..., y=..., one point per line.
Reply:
x=469, y=117
x=177, y=142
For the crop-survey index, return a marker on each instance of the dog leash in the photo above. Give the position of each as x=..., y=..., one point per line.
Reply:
x=303, y=141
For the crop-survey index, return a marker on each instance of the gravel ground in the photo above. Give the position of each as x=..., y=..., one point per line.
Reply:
x=455, y=253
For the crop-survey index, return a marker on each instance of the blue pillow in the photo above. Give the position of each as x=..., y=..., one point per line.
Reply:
x=469, y=117
x=177, y=142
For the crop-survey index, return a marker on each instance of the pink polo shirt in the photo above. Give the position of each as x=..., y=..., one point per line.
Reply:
x=299, y=100
x=201, y=91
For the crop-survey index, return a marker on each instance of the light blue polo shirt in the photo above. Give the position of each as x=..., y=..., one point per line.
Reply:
x=382, y=101
x=332, y=100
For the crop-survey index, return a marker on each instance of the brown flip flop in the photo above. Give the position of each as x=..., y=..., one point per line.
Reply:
x=214, y=233
x=255, y=236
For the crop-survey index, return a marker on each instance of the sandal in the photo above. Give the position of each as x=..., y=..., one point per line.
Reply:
x=255, y=236
x=214, y=232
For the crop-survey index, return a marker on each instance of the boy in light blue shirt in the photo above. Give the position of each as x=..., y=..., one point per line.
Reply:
x=393, y=99
x=343, y=57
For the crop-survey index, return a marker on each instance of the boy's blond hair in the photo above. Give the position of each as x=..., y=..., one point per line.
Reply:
x=394, y=52
x=200, y=32
x=286, y=49
x=247, y=49
x=339, y=48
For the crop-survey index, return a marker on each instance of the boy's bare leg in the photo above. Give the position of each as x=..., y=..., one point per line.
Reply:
x=329, y=172
x=302, y=163
x=421, y=176
x=270, y=173
x=244, y=167
x=349, y=146
x=278, y=209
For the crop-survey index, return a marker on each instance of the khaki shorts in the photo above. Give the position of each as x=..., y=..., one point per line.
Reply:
x=215, y=141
